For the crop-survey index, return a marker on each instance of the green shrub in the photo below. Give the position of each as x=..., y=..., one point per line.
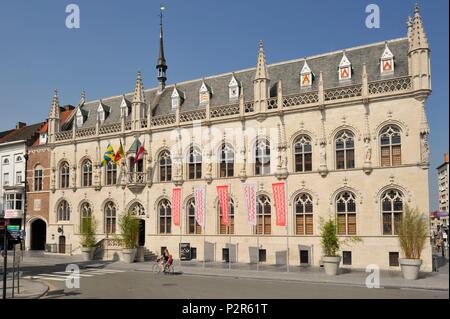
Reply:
x=88, y=229
x=330, y=240
x=412, y=233
x=129, y=227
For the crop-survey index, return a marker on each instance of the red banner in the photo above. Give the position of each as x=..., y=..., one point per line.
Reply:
x=279, y=197
x=176, y=205
x=222, y=192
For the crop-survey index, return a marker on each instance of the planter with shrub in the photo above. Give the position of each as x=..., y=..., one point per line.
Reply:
x=88, y=241
x=129, y=227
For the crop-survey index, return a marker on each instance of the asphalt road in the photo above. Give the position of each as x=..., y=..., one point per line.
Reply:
x=145, y=285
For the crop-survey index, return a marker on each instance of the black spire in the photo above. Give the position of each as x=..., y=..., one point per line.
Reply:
x=161, y=65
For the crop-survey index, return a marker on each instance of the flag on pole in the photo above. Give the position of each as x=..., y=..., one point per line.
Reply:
x=250, y=202
x=140, y=153
x=176, y=205
x=120, y=154
x=199, y=195
x=108, y=156
x=222, y=192
x=279, y=196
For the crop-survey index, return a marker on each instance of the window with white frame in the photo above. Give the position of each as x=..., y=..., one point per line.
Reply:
x=391, y=146
x=165, y=216
x=303, y=214
x=14, y=201
x=392, y=209
x=63, y=211
x=346, y=213
x=38, y=177
x=5, y=179
x=262, y=157
x=110, y=218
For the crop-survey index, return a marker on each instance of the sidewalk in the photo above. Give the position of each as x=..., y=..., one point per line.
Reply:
x=28, y=289
x=388, y=279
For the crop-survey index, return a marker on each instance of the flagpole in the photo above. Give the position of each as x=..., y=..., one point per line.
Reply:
x=287, y=227
x=204, y=227
x=229, y=230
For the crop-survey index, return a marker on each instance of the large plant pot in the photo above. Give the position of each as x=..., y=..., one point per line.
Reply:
x=87, y=253
x=128, y=255
x=331, y=265
x=410, y=268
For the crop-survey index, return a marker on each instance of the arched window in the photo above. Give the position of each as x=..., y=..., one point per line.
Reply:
x=226, y=161
x=264, y=215
x=86, y=173
x=224, y=229
x=303, y=154
x=165, y=167
x=85, y=213
x=63, y=213
x=193, y=227
x=262, y=157
x=391, y=146
x=165, y=216
x=110, y=218
x=195, y=163
x=345, y=150
x=64, y=173
x=38, y=178
x=111, y=173
x=303, y=214
x=346, y=213
x=392, y=209
x=137, y=210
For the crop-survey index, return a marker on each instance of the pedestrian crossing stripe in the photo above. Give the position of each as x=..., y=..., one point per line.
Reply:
x=63, y=276
x=73, y=274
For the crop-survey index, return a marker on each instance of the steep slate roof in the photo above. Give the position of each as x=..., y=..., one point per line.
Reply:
x=288, y=72
x=27, y=133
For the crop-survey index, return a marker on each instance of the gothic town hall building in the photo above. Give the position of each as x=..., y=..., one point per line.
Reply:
x=346, y=130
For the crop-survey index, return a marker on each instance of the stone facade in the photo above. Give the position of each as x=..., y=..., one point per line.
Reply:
x=345, y=115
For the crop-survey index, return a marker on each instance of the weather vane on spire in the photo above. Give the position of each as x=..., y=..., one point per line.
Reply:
x=161, y=65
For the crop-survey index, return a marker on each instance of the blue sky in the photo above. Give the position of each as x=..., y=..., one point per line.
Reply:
x=117, y=38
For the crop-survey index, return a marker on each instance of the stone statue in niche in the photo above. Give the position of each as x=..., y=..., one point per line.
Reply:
x=368, y=150
x=323, y=155
x=425, y=148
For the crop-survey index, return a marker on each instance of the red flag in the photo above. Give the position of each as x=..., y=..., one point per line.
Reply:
x=176, y=205
x=140, y=154
x=199, y=194
x=279, y=197
x=250, y=202
x=222, y=191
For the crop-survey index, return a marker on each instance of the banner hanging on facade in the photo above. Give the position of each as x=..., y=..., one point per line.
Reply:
x=176, y=205
x=250, y=202
x=200, y=201
x=222, y=192
x=279, y=197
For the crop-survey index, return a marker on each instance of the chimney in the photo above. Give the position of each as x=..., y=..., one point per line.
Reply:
x=446, y=158
x=20, y=125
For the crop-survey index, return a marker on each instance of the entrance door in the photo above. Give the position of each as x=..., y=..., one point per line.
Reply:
x=62, y=245
x=141, y=233
x=38, y=235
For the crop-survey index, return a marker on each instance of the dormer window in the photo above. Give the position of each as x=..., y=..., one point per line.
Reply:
x=306, y=77
x=80, y=118
x=101, y=112
x=124, y=109
x=204, y=94
x=176, y=98
x=43, y=138
x=233, y=89
x=387, y=61
x=345, y=69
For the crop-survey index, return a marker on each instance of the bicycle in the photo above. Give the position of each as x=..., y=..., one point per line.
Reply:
x=158, y=266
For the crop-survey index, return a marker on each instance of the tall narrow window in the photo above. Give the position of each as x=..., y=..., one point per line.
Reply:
x=85, y=213
x=64, y=173
x=345, y=150
x=195, y=163
x=63, y=211
x=38, y=175
x=86, y=172
x=111, y=173
x=264, y=215
x=227, y=229
x=391, y=146
x=165, y=216
x=262, y=157
x=303, y=154
x=303, y=214
x=193, y=227
x=346, y=213
x=226, y=161
x=392, y=209
x=165, y=167
x=110, y=218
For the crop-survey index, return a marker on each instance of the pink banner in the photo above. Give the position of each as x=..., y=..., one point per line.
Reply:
x=279, y=197
x=222, y=192
x=176, y=205
x=199, y=195
x=250, y=202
